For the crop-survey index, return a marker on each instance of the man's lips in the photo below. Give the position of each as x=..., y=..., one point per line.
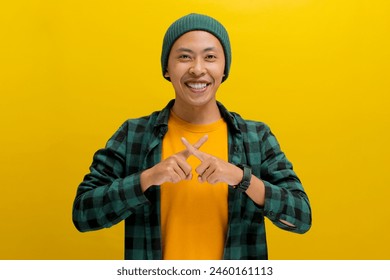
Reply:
x=197, y=85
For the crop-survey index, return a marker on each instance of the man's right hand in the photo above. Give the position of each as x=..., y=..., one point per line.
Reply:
x=173, y=169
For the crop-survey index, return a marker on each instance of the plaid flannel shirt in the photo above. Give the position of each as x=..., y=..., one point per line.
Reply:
x=111, y=192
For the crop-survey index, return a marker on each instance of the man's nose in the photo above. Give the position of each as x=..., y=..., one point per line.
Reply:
x=197, y=68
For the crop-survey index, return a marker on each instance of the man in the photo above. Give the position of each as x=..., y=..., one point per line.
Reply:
x=193, y=181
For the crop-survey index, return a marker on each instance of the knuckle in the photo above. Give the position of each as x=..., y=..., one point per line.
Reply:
x=172, y=158
x=170, y=169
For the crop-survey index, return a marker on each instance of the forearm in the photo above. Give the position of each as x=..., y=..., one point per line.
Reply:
x=286, y=203
x=146, y=180
x=97, y=207
x=287, y=208
x=256, y=191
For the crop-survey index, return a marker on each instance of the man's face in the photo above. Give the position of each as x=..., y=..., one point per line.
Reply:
x=196, y=67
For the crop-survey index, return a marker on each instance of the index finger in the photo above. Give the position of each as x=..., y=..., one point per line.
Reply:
x=200, y=142
x=192, y=149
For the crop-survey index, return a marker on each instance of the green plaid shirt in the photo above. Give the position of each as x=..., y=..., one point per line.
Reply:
x=111, y=192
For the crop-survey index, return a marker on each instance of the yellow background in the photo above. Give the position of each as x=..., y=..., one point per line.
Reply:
x=316, y=71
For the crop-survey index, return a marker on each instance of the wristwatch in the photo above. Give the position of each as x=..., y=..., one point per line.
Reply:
x=246, y=179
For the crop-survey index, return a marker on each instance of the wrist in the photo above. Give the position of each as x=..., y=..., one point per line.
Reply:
x=145, y=180
x=244, y=184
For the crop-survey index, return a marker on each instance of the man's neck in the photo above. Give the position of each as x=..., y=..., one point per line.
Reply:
x=198, y=115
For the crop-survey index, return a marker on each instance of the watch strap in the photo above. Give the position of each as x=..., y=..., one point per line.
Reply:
x=246, y=178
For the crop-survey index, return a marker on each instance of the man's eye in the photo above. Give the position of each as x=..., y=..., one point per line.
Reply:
x=211, y=57
x=184, y=56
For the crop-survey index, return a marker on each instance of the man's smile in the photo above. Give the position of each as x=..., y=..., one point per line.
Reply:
x=197, y=85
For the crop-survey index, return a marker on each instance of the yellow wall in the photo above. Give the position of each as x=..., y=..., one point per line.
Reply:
x=317, y=71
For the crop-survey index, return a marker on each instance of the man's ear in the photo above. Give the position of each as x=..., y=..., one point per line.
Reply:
x=166, y=75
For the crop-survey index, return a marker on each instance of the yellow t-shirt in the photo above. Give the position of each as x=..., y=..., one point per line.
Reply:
x=194, y=215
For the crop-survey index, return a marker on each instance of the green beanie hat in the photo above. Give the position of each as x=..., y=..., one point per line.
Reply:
x=193, y=22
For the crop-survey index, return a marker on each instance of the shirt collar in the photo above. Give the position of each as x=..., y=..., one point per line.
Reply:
x=163, y=116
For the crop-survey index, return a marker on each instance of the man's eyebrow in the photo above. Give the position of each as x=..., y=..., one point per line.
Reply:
x=184, y=50
x=209, y=49
x=191, y=51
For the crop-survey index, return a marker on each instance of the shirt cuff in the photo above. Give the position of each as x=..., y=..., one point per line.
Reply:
x=131, y=191
x=274, y=201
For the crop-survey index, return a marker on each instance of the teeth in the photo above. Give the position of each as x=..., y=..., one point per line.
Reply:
x=197, y=85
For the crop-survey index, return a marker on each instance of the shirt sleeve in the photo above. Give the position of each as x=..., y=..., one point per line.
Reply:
x=106, y=196
x=285, y=198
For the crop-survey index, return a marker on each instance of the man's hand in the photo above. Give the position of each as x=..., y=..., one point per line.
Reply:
x=173, y=169
x=213, y=169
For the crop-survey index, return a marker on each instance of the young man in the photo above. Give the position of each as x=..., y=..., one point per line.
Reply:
x=193, y=181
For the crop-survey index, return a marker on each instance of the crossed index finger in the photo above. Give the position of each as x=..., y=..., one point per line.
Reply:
x=192, y=149
x=200, y=142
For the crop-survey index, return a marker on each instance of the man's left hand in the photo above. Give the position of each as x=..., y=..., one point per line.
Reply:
x=213, y=169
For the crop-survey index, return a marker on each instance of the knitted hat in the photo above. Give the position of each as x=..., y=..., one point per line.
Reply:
x=193, y=22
